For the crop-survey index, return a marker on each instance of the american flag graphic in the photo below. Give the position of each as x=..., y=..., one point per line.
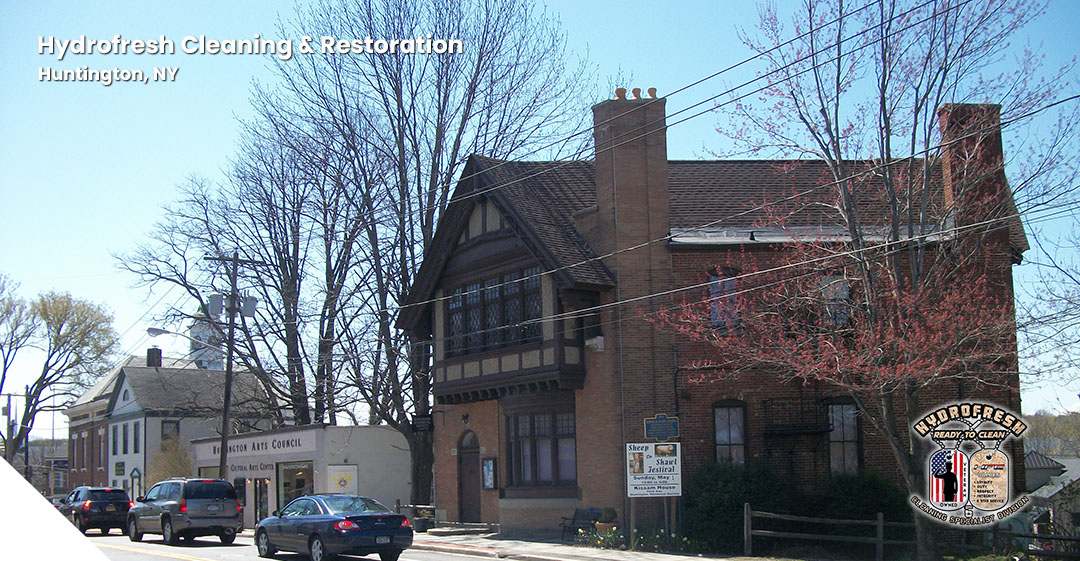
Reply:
x=948, y=481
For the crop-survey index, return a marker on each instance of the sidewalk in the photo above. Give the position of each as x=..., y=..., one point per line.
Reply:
x=492, y=545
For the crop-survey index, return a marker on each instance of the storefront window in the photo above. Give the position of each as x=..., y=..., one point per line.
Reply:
x=294, y=480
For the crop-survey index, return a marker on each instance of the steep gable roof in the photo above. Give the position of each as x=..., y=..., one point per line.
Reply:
x=539, y=200
x=103, y=388
x=191, y=392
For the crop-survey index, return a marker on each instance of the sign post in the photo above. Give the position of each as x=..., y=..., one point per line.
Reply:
x=654, y=470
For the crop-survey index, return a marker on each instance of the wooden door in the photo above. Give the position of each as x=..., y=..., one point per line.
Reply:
x=469, y=478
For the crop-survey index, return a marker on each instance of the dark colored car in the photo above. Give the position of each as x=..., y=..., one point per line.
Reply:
x=325, y=525
x=187, y=508
x=103, y=508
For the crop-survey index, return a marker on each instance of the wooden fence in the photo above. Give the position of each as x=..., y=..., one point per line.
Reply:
x=1041, y=553
x=878, y=539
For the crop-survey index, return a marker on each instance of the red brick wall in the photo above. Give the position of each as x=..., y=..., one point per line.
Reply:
x=484, y=420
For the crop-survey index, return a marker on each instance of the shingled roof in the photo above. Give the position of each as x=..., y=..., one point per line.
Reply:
x=541, y=199
x=103, y=388
x=192, y=392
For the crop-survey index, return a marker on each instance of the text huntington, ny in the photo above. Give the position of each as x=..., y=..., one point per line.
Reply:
x=257, y=45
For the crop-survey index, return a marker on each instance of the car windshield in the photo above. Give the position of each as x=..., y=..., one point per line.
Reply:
x=209, y=490
x=354, y=505
x=109, y=495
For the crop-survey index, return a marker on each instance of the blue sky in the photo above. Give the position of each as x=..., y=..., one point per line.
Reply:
x=86, y=169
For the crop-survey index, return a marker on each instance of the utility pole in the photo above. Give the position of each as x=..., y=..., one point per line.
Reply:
x=231, y=307
x=26, y=445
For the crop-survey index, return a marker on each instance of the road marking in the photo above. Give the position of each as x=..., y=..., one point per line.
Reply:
x=154, y=552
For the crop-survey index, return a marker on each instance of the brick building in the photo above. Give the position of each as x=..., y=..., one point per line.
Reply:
x=534, y=403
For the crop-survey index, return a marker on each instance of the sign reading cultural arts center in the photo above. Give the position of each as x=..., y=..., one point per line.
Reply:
x=653, y=470
x=969, y=475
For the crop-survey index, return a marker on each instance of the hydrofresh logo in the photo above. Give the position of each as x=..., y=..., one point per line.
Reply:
x=968, y=475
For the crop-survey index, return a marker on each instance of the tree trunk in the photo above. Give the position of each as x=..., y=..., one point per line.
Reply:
x=423, y=460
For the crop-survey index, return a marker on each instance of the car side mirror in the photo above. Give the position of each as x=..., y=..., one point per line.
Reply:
x=140, y=499
x=275, y=513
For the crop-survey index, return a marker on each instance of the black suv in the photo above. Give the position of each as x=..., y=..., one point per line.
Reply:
x=96, y=507
x=186, y=508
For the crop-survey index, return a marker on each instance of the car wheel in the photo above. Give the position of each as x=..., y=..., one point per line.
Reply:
x=317, y=550
x=390, y=555
x=133, y=531
x=262, y=542
x=77, y=521
x=167, y=533
x=227, y=539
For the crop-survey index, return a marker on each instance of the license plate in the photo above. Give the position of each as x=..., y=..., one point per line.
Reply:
x=382, y=539
x=110, y=508
x=213, y=508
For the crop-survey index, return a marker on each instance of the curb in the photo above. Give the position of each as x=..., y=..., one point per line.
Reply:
x=464, y=549
x=494, y=553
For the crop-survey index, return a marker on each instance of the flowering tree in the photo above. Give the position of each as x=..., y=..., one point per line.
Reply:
x=890, y=275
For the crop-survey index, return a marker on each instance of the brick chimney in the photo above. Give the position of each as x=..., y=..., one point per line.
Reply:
x=632, y=211
x=153, y=357
x=631, y=171
x=973, y=162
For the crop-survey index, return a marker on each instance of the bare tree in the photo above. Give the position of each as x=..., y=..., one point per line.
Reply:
x=396, y=131
x=77, y=341
x=288, y=218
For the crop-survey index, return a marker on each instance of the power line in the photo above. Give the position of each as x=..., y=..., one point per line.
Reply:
x=562, y=164
x=868, y=170
x=995, y=223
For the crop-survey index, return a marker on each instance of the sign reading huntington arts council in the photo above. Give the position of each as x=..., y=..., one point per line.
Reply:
x=969, y=475
x=653, y=470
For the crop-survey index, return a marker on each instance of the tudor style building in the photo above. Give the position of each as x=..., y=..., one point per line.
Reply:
x=532, y=293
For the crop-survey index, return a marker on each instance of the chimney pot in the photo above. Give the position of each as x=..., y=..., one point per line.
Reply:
x=637, y=93
x=620, y=93
x=652, y=93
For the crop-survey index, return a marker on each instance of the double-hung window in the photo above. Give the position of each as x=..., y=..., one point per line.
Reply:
x=835, y=294
x=843, y=439
x=730, y=422
x=722, y=313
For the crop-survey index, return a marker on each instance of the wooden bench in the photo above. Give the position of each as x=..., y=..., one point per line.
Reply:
x=584, y=519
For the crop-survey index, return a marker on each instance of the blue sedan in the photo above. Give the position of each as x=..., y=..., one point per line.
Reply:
x=325, y=525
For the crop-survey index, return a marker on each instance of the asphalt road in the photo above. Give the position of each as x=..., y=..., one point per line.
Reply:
x=117, y=547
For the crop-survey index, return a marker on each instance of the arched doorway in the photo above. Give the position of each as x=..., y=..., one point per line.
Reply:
x=469, y=477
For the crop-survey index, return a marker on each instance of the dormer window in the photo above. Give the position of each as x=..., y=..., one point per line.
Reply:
x=125, y=398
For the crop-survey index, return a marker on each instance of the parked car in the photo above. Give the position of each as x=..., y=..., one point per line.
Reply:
x=325, y=525
x=186, y=508
x=103, y=508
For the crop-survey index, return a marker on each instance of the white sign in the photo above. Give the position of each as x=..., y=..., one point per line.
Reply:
x=653, y=470
x=341, y=479
x=265, y=445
